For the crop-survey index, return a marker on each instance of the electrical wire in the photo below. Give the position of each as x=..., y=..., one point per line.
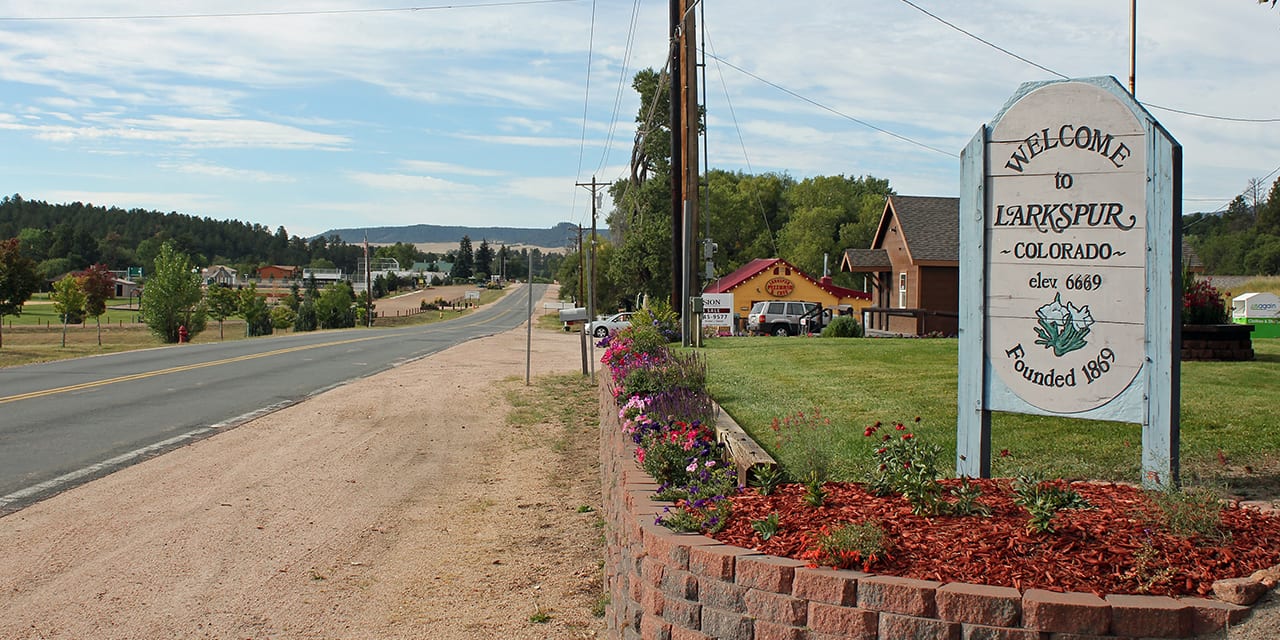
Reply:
x=622, y=83
x=586, y=104
x=832, y=109
x=745, y=156
x=1064, y=77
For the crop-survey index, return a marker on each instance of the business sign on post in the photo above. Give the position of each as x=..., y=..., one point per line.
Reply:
x=717, y=309
x=1069, y=262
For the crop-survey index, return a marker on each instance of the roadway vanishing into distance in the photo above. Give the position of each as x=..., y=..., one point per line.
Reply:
x=64, y=423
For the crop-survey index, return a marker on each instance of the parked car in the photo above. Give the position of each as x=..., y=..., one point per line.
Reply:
x=785, y=317
x=604, y=326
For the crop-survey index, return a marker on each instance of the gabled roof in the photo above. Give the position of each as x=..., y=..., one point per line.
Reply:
x=751, y=269
x=930, y=227
x=725, y=284
x=866, y=260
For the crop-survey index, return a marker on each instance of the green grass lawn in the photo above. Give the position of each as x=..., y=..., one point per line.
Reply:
x=1226, y=407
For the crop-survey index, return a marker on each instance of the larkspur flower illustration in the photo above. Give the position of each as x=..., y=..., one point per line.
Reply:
x=1063, y=328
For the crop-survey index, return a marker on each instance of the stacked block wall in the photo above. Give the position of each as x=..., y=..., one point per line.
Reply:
x=664, y=585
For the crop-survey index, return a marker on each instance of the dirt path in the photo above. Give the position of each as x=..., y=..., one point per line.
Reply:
x=400, y=506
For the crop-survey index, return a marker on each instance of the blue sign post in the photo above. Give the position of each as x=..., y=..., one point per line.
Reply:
x=1070, y=236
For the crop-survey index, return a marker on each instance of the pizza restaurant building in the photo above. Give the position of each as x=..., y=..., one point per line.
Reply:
x=777, y=279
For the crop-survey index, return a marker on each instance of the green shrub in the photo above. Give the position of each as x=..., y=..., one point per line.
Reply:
x=843, y=327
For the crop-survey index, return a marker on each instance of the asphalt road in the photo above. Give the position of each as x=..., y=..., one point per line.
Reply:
x=67, y=422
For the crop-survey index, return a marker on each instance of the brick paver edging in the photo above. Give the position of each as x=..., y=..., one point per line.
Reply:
x=664, y=585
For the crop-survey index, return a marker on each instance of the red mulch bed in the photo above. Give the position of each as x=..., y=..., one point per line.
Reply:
x=1090, y=551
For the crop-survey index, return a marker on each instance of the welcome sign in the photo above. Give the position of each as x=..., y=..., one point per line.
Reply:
x=1066, y=247
x=1069, y=266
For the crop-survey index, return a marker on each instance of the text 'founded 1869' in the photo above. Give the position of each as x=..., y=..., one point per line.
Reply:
x=1066, y=233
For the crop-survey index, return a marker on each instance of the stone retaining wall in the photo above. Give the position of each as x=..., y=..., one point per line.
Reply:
x=664, y=585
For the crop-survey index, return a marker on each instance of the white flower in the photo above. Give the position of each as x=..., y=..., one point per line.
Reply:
x=1081, y=318
x=1054, y=312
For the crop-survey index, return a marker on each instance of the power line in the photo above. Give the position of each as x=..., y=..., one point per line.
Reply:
x=764, y=216
x=831, y=109
x=1064, y=77
x=586, y=102
x=1205, y=115
x=303, y=12
x=979, y=39
x=622, y=83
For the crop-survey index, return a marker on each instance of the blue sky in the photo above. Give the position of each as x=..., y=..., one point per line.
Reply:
x=344, y=113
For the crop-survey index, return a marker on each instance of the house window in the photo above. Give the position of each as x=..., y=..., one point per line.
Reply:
x=902, y=290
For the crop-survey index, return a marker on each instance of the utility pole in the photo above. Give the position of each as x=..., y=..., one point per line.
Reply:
x=594, y=187
x=368, y=286
x=687, y=77
x=582, y=270
x=677, y=155
x=1133, y=48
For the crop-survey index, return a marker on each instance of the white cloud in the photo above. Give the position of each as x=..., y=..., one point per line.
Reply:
x=242, y=175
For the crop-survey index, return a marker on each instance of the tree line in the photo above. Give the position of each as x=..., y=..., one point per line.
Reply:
x=1242, y=240
x=64, y=238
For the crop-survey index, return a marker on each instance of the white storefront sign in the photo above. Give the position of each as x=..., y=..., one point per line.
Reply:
x=717, y=309
x=1069, y=263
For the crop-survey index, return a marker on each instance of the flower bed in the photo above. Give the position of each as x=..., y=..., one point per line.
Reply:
x=1056, y=564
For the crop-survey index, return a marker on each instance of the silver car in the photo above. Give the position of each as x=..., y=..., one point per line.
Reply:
x=779, y=317
x=604, y=326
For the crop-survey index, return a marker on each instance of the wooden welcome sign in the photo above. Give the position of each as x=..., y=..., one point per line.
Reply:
x=1070, y=249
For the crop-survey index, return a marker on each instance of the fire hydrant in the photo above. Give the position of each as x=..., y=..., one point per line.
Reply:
x=183, y=335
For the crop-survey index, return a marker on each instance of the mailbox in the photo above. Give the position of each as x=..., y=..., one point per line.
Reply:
x=577, y=314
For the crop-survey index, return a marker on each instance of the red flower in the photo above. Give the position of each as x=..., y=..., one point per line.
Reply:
x=907, y=436
x=1004, y=453
x=900, y=427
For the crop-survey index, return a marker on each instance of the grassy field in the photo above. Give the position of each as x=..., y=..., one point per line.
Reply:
x=1227, y=408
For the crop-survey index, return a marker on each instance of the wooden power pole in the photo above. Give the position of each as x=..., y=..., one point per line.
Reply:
x=684, y=162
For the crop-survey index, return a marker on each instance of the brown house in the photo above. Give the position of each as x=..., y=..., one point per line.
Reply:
x=279, y=273
x=914, y=267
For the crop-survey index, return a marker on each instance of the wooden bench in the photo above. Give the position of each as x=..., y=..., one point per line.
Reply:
x=743, y=451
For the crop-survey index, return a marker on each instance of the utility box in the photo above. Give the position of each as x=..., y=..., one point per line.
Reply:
x=1262, y=310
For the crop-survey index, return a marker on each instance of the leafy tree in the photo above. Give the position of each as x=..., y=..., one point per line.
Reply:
x=293, y=299
x=257, y=316
x=828, y=215
x=35, y=243
x=364, y=308
x=484, y=259
x=54, y=268
x=171, y=297
x=98, y=284
x=18, y=281
x=464, y=261
x=68, y=301
x=223, y=302
x=282, y=317
x=1268, y=220
x=305, y=319
x=335, y=307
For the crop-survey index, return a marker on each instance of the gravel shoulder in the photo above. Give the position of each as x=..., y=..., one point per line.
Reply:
x=404, y=505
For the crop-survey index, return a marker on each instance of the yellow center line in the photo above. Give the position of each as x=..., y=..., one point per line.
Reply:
x=188, y=367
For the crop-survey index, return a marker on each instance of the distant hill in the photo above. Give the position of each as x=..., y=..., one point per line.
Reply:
x=560, y=235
